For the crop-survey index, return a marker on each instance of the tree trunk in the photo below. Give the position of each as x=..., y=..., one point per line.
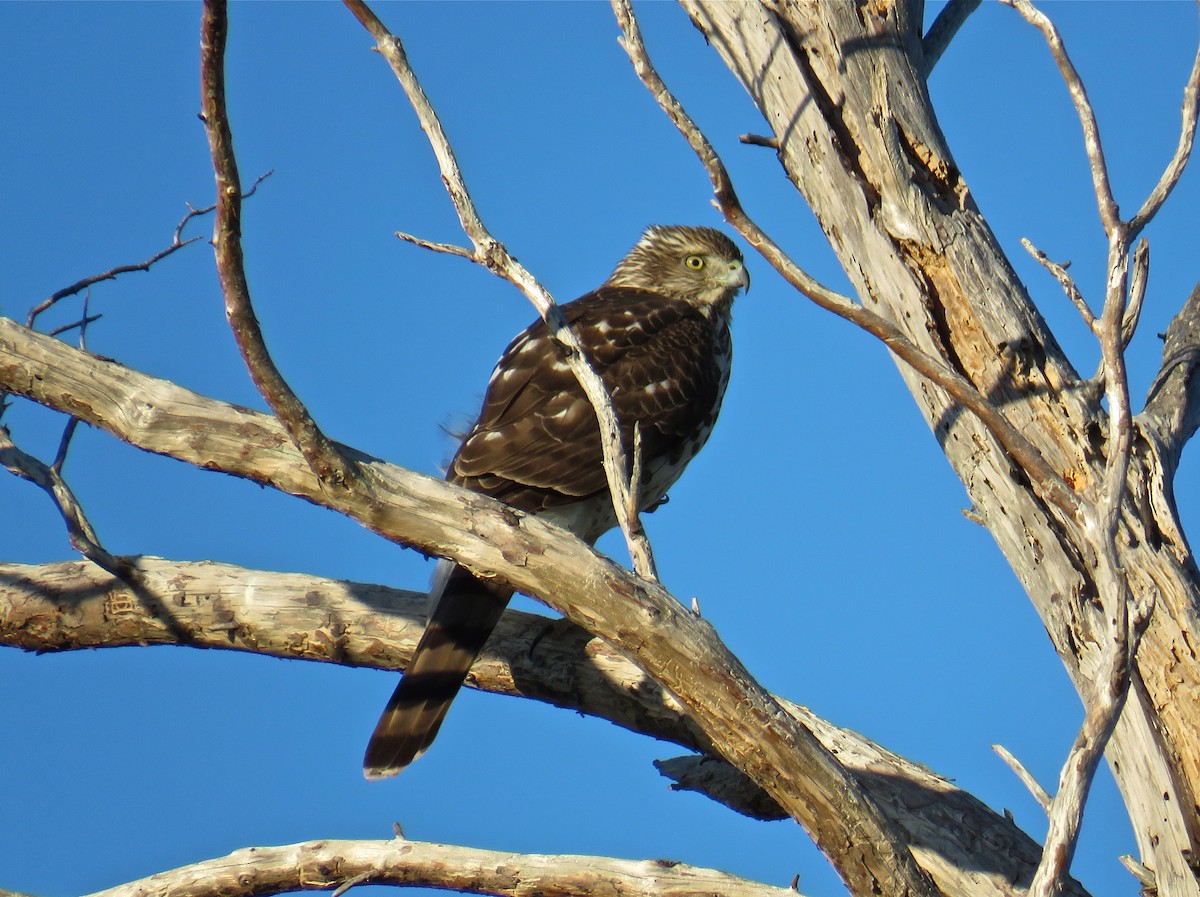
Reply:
x=843, y=87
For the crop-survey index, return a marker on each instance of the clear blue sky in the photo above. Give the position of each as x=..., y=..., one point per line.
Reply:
x=820, y=529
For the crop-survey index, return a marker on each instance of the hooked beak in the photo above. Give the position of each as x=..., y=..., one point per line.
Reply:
x=738, y=276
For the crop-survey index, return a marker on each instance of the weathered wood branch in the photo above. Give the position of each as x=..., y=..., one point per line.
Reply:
x=337, y=865
x=75, y=605
x=937, y=39
x=80, y=532
x=1019, y=449
x=490, y=253
x=319, y=451
x=1172, y=411
x=677, y=648
x=840, y=86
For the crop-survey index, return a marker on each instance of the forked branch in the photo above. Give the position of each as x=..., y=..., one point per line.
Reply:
x=1113, y=329
x=177, y=243
x=329, y=464
x=488, y=251
x=744, y=723
x=224, y=607
x=1021, y=449
x=48, y=477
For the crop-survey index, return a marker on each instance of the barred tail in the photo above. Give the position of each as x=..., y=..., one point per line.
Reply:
x=464, y=615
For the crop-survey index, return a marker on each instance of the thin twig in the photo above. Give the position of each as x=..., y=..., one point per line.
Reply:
x=490, y=252
x=635, y=469
x=177, y=243
x=79, y=529
x=1026, y=777
x=1052, y=486
x=64, y=443
x=349, y=883
x=1068, y=283
x=633, y=497
x=1103, y=710
x=446, y=248
x=769, y=141
x=329, y=464
x=1109, y=212
x=1183, y=151
x=81, y=323
x=110, y=274
x=1137, y=291
x=1123, y=299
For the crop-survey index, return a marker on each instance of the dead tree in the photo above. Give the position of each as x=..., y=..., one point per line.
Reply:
x=1073, y=482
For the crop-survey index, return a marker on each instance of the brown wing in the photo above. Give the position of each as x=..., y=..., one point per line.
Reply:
x=536, y=444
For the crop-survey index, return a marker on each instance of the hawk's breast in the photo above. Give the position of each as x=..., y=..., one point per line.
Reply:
x=536, y=444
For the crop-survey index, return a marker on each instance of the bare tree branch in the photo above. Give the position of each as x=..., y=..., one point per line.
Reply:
x=1137, y=292
x=1146, y=878
x=1110, y=214
x=1183, y=151
x=1102, y=514
x=858, y=136
x=1075, y=780
x=80, y=325
x=321, y=455
x=1026, y=777
x=960, y=841
x=177, y=243
x=111, y=274
x=1171, y=406
x=952, y=17
x=760, y=140
x=445, y=248
x=490, y=252
x=1065, y=279
x=1020, y=448
x=744, y=723
x=336, y=865
x=79, y=529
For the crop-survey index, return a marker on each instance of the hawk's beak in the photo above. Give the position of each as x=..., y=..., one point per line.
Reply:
x=738, y=276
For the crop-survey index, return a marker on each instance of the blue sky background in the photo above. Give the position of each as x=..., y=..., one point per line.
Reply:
x=820, y=529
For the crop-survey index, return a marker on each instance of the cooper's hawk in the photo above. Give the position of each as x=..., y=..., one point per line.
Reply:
x=657, y=332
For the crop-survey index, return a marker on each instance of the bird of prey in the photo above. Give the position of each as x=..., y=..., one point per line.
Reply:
x=657, y=333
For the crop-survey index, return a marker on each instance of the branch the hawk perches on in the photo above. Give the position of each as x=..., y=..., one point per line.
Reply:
x=657, y=333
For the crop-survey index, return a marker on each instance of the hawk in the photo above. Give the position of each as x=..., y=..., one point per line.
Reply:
x=657, y=333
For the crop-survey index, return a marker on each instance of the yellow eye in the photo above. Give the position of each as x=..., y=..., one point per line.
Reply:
x=695, y=262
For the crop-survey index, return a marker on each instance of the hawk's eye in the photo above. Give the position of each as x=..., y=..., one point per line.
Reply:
x=695, y=262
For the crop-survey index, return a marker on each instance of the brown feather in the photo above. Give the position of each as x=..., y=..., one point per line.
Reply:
x=657, y=332
x=462, y=619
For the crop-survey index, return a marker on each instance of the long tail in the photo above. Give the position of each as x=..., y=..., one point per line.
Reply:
x=464, y=615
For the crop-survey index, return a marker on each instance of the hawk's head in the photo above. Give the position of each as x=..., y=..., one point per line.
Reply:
x=696, y=264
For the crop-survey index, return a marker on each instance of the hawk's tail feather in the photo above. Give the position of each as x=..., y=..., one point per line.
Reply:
x=463, y=616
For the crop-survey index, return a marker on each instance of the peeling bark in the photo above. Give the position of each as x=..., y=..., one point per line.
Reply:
x=965, y=846
x=842, y=86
